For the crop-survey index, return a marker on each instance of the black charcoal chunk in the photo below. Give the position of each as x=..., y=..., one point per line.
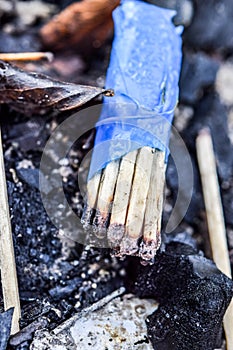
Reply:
x=26, y=334
x=5, y=327
x=193, y=296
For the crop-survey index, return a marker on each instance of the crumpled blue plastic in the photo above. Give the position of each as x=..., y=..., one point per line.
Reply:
x=144, y=72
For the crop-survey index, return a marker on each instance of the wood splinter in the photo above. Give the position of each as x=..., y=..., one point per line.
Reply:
x=124, y=203
x=7, y=258
x=215, y=218
x=26, y=56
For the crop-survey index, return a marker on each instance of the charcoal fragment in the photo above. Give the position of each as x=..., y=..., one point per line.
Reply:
x=193, y=296
x=27, y=333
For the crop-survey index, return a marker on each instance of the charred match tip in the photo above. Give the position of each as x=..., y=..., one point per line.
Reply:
x=148, y=249
x=115, y=234
x=100, y=224
x=87, y=217
x=128, y=246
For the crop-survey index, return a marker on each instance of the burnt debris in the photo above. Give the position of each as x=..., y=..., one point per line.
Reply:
x=193, y=296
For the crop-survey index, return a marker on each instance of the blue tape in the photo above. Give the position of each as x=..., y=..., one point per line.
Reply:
x=144, y=72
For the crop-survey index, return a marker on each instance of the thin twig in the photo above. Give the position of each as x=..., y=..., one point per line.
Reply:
x=215, y=218
x=26, y=56
x=8, y=267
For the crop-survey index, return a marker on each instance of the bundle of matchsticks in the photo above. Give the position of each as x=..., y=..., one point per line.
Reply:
x=125, y=197
x=125, y=202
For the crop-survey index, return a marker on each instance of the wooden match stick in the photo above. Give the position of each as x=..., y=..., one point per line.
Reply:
x=215, y=218
x=92, y=195
x=105, y=198
x=154, y=206
x=26, y=56
x=116, y=228
x=7, y=257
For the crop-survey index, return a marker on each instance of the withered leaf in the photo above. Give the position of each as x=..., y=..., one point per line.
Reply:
x=80, y=23
x=32, y=93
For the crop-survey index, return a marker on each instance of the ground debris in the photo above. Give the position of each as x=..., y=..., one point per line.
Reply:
x=120, y=324
x=193, y=296
x=26, y=334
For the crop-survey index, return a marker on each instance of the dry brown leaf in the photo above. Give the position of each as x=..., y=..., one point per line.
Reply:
x=33, y=93
x=88, y=19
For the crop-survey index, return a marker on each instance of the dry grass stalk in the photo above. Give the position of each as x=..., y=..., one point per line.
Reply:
x=7, y=257
x=26, y=56
x=215, y=218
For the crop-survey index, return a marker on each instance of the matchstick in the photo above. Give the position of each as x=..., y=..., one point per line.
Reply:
x=215, y=218
x=7, y=258
x=92, y=195
x=26, y=56
x=105, y=198
x=116, y=228
x=154, y=207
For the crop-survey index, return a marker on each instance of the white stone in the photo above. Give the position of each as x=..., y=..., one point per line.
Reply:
x=119, y=325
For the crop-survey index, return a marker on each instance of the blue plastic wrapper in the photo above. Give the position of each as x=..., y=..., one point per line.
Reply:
x=144, y=72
